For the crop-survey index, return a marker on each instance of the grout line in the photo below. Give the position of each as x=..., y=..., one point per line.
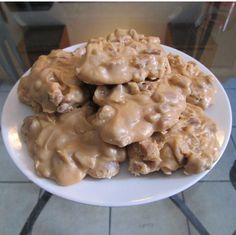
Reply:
x=188, y=226
x=109, y=231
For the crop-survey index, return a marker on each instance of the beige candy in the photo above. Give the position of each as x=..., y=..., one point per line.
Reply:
x=202, y=88
x=124, y=56
x=190, y=144
x=52, y=84
x=133, y=112
x=67, y=147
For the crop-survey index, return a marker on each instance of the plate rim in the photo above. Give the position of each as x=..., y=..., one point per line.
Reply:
x=40, y=181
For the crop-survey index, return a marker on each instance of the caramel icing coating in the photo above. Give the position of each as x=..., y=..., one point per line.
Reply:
x=145, y=102
x=202, y=88
x=66, y=147
x=133, y=112
x=124, y=56
x=52, y=84
x=190, y=144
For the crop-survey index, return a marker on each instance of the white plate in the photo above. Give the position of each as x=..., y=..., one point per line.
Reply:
x=124, y=189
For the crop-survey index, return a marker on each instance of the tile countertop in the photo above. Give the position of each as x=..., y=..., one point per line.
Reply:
x=213, y=200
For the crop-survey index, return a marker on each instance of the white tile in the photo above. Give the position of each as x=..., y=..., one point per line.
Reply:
x=232, y=97
x=222, y=168
x=61, y=217
x=214, y=204
x=8, y=170
x=3, y=96
x=230, y=83
x=233, y=168
x=17, y=201
x=234, y=135
x=156, y=218
x=6, y=86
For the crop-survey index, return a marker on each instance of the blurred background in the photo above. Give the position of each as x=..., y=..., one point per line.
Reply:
x=205, y=31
